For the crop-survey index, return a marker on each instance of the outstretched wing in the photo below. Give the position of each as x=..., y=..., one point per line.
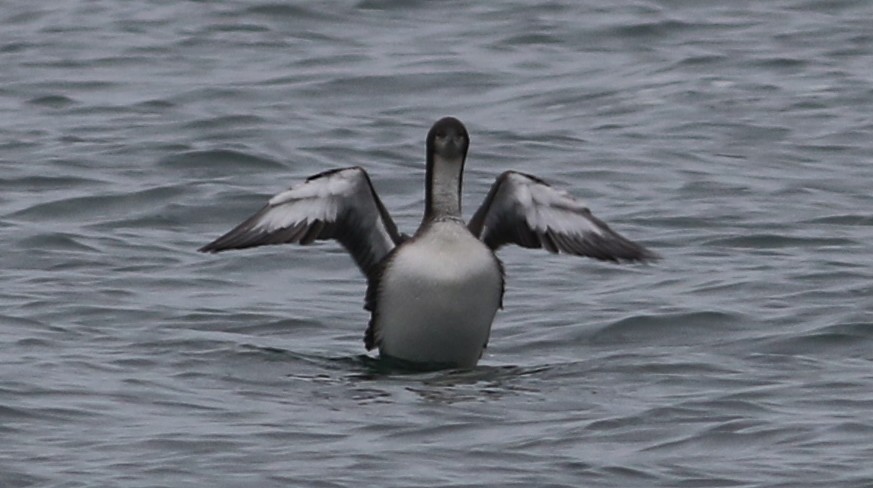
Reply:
x=338, y=204
x=524, y=210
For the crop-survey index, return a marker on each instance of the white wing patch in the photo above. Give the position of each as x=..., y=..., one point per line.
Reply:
x=339, y=183
x=546, y=208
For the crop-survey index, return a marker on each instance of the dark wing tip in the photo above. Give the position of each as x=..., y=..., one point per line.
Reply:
x=618, y=249
x=246, y=235
x=638, y=255
x=228, y=241
x=609, y=245
x=632, y=252
x=649, y=256
x=210, y=248
x=221, y=244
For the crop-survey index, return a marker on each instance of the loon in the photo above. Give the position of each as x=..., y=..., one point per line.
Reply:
x=433, y=295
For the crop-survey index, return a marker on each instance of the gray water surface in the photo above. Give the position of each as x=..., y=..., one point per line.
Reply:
x=734, y=139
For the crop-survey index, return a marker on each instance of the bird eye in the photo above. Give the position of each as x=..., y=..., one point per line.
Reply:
x=441, y=134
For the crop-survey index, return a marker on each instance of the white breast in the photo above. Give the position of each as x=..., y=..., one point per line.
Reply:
x=438, y=297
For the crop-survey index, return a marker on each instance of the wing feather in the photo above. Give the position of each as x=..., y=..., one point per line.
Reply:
x=339, y=204
x=524, y=210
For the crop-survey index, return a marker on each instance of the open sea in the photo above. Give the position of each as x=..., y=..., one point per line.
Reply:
x=733, y=138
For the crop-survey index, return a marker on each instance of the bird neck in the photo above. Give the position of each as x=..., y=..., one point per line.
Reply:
x=443, y=187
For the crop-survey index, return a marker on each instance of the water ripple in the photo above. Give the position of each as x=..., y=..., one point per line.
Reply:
x=733, y=139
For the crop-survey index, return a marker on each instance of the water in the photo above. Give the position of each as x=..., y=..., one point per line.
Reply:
x=733, y=139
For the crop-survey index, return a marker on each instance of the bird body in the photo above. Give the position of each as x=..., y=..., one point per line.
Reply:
x=437, y=297
x=432, y=297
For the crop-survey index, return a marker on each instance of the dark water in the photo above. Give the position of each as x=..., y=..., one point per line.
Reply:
x=734, y=139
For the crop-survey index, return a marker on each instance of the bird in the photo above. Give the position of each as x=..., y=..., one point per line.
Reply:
x=432, y=296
